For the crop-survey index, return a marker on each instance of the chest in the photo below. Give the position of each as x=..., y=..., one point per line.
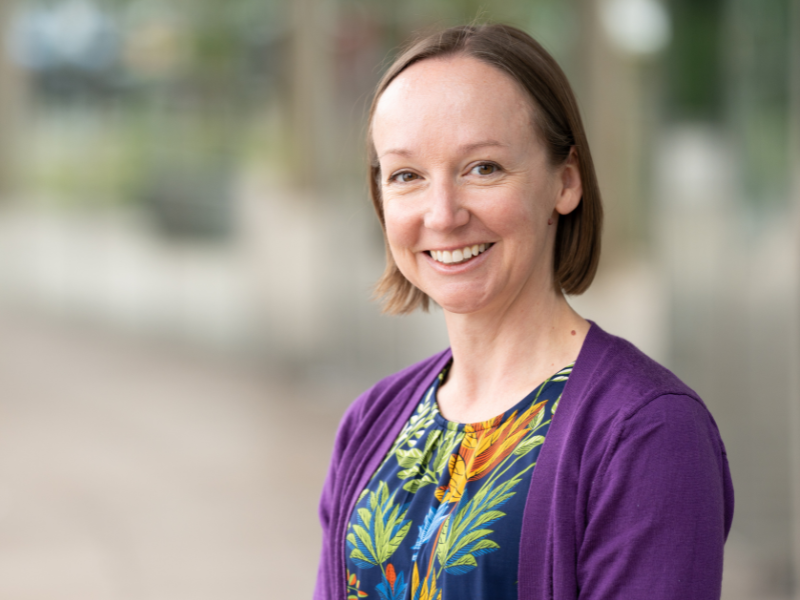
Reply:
x=442, y=515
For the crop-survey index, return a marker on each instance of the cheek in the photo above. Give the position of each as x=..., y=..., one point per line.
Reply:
x=509, y=216
x=402, y=227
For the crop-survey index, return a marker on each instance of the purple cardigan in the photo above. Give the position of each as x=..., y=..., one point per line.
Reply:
x=631, y=496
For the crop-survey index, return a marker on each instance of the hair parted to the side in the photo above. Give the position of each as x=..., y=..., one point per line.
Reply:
x=558, y=122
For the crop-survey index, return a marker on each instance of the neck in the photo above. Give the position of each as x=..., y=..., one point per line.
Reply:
x=499, y=357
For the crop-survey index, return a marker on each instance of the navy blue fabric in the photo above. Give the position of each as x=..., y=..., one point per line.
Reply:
x=441, y=517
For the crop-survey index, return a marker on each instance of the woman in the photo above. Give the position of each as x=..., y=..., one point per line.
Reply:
x=538, y=457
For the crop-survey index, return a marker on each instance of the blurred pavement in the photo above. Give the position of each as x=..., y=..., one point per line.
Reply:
x=131, y=470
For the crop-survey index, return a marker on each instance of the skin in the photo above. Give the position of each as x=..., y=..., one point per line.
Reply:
x=462, y=164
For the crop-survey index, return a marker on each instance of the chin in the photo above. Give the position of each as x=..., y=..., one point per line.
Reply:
x=460, y=310
x=462, y=305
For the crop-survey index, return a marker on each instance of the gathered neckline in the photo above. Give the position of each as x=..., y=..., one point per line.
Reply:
x=497, y=420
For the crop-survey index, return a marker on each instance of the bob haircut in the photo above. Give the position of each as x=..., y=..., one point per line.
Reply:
x=557, y=122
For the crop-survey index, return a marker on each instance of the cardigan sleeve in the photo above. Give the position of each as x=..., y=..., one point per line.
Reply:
x=660, y=508
x=328, y=503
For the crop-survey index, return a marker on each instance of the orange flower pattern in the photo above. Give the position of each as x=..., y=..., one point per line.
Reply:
x=441, y=516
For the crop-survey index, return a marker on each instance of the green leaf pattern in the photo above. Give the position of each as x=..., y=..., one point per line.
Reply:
x=381, y=528
x=456, y=532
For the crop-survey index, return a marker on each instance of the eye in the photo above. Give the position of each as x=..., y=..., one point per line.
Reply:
x=485, y=169
x=404, y=177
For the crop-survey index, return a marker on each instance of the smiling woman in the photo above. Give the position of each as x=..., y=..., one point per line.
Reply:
x=537, y=99
x=460, y=166
x=455, y=478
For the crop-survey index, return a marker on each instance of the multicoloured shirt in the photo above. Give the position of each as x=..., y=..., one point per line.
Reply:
x=442, y=515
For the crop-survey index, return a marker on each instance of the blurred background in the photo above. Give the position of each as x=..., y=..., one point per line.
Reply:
x=187, y=252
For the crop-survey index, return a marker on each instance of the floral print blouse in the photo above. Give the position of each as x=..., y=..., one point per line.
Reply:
x=441, y=517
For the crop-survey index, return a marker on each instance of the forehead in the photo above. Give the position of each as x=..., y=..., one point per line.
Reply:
x=453, y=100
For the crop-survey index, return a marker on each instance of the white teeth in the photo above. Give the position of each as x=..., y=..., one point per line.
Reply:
x=456, y=256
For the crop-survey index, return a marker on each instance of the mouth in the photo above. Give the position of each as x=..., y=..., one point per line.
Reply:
x=459, y=256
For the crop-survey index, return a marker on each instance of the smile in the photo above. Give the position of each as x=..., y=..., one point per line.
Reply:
x=458, y=256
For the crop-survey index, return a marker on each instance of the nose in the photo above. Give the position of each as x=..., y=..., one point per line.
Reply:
x=445, y=211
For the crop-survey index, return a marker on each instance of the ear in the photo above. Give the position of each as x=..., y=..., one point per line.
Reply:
x=571, y=190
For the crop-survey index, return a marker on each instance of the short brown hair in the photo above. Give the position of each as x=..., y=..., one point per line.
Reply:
x=514, y=52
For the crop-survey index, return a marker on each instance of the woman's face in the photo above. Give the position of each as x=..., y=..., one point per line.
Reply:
x=466, y=185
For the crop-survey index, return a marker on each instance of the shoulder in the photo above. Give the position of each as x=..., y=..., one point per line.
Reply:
x=370, y=419
x=616, y=394
x=640, y=424
x=386, y=400
x=616, y=376
x=623, y=398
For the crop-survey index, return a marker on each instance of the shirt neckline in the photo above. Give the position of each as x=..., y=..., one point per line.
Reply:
x=494, y=422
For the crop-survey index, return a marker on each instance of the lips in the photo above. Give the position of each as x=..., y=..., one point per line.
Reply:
x=454, y=257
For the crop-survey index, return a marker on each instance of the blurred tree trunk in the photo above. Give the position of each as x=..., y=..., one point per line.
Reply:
x=11, y=90
x=614, y=105
x=311, y=115
x=794, y=337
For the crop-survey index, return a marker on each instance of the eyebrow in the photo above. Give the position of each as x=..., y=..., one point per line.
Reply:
x=462, y=148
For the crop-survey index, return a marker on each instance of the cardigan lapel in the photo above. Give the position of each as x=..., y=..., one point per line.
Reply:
x=383, y=419
x=536, y=568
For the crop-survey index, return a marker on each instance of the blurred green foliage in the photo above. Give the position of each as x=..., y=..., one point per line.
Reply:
x=695, y=60
x=204, y=86
x=728, y=65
